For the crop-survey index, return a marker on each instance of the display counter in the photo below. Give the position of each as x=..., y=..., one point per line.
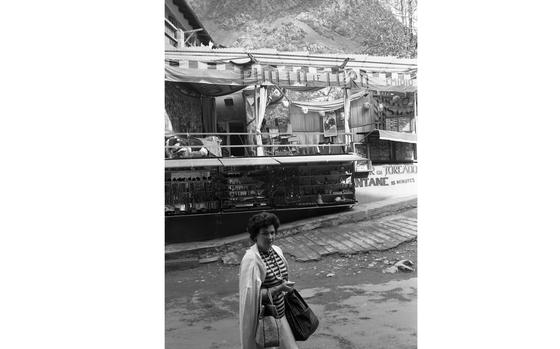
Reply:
x=209, y=198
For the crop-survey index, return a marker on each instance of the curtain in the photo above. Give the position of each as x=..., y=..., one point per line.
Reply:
x=209, y=114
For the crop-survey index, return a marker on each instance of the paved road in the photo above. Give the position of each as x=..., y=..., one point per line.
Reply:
x=362, y=236
x=359, y=307
x=378, y=235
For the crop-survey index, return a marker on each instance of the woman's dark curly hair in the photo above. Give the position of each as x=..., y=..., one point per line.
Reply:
x=261, y=220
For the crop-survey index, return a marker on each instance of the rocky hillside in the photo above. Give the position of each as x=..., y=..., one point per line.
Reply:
x=352, y=26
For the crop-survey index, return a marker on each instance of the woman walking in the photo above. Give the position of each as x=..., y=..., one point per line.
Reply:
x=263, y=269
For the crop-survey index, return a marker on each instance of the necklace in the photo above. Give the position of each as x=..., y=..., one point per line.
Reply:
x=273, y=256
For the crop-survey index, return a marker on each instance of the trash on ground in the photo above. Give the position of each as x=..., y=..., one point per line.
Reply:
x=390, y=270
x=209, y=259
x=405, y=265
x=402, y=265
x=329, y=275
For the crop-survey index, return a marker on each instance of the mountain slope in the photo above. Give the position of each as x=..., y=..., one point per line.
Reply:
x=353, y=26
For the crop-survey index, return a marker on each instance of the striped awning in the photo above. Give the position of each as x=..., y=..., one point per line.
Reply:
x=290, y=70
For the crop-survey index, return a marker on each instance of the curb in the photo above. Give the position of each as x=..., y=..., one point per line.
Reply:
x=196, y=253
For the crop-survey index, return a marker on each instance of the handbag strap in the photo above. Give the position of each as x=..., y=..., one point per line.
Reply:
x=271, y=302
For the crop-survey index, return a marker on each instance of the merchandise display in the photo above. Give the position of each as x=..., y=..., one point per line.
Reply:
x=312, y=185
x=195, y=191
x=224, y=189
x=183, y=110
x=245, y=188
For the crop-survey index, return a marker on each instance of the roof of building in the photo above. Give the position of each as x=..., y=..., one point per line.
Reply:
x=189, y=14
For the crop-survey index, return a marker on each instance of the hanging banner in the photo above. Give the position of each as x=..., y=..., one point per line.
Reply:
x=329, y=125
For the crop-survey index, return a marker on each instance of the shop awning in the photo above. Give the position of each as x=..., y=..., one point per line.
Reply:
x=253, y=161
x=289, y=70
x=394, y=136
x=318, y=158
x=206, y=82
x=204, y=162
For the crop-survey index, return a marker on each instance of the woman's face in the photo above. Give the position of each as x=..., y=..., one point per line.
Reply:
x=265, y=237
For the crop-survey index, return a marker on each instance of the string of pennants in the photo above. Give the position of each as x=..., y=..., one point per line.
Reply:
x=294, y=76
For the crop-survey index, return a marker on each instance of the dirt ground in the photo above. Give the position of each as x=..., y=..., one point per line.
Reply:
x=358, y=307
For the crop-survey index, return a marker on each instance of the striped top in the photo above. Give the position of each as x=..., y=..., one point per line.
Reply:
x=275, y=269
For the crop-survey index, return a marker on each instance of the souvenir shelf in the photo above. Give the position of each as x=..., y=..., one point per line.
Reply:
x=196, y=191
x=315, y=185
x=231, y=189
x=285, y=188
x=245, y=189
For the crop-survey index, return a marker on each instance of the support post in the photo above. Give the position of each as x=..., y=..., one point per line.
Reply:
x=180, y=38
x=415, y=106
x=260, y=109
x=347, y=137
x=256, y=116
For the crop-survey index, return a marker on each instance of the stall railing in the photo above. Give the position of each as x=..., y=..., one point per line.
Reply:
x=274, y=145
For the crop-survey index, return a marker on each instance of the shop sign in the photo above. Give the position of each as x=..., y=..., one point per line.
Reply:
x=329, y=125
x=388, y=175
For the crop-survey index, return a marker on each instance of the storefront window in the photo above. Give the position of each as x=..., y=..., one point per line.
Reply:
x=404, y=151
x=380, y=151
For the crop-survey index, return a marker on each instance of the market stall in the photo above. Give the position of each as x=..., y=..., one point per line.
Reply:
x=209, y=194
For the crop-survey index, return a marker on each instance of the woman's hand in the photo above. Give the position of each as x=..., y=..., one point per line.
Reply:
x=285, y=286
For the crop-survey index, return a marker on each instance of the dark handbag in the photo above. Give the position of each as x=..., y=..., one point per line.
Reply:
x=301, y=318
x=268, y=328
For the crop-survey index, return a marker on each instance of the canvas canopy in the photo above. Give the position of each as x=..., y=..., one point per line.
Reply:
x=233, y=70
x=317, y=106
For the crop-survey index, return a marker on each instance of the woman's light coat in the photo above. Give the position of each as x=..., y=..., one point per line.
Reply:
x=251, y=276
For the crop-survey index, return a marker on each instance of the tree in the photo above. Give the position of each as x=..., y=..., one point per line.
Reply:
x=389, y=33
